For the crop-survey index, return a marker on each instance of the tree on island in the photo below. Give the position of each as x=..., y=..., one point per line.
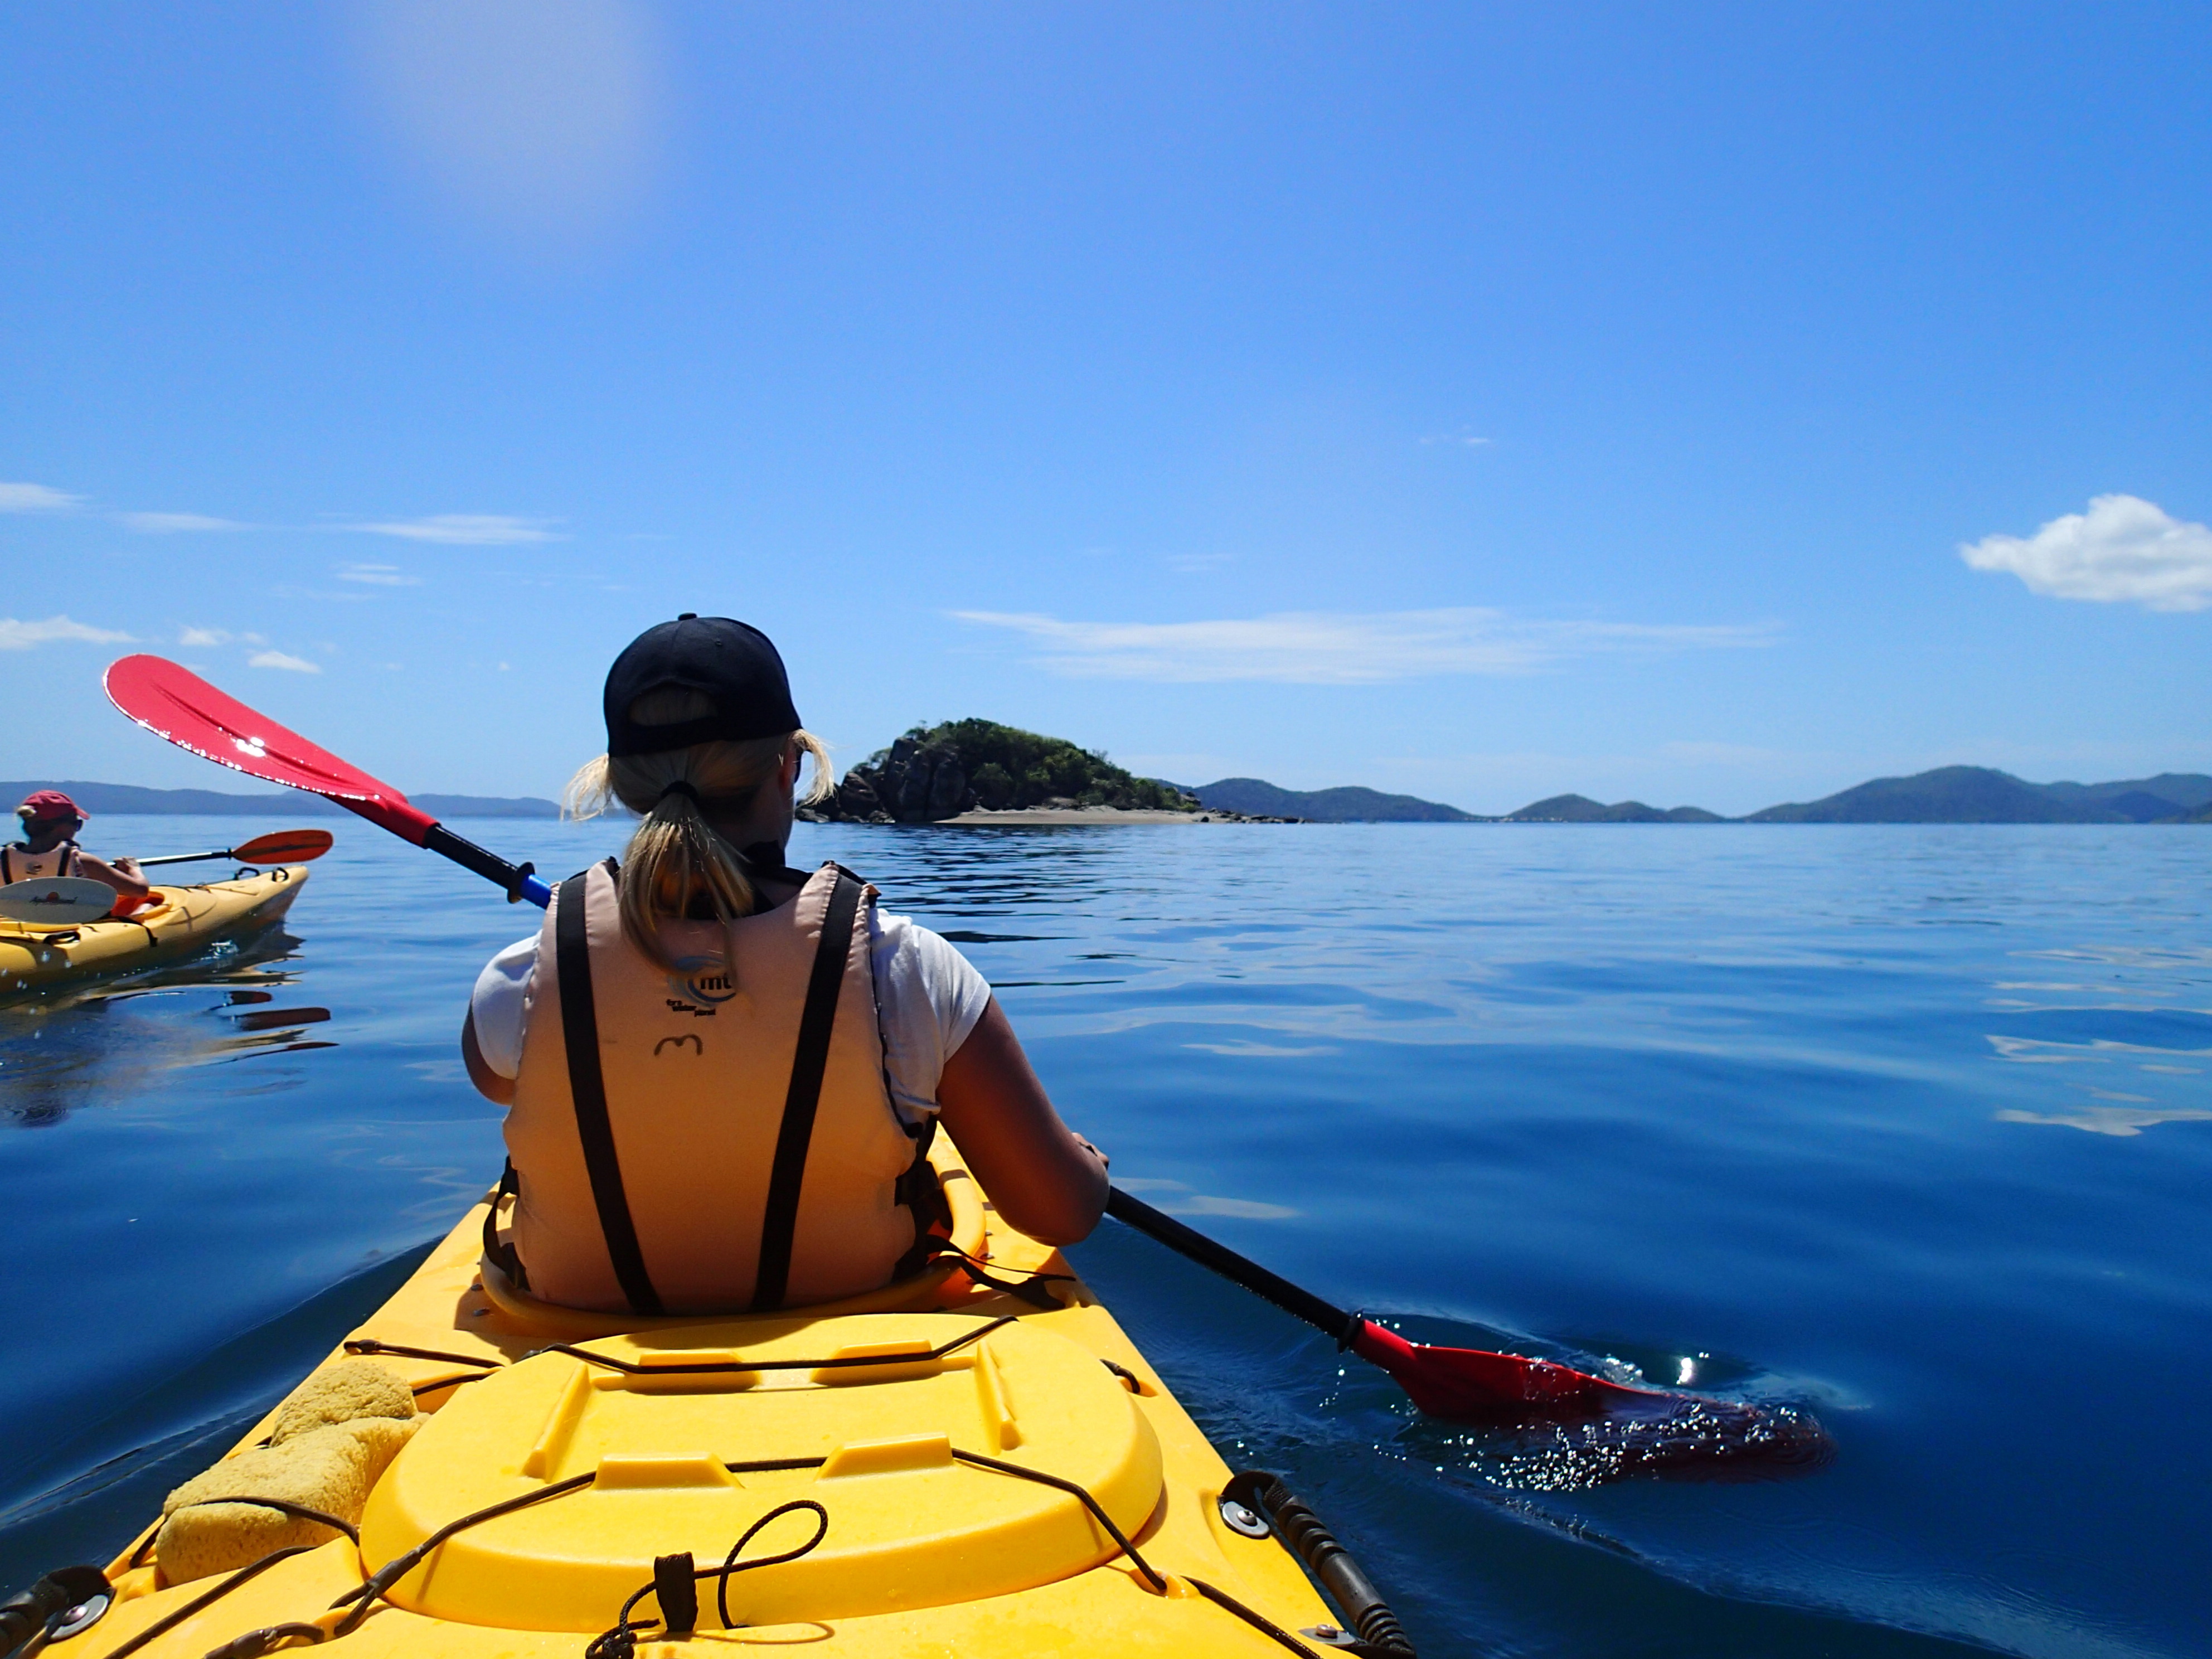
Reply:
x=939, y=772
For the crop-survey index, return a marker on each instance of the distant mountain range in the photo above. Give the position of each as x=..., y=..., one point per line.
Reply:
x=98, y=798
x=1949, y=794
x=1978, y=794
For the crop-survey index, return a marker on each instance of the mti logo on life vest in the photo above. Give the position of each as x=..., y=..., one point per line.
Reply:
x=699, y=984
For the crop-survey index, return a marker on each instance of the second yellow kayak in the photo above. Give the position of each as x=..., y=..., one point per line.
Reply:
x=178, y=922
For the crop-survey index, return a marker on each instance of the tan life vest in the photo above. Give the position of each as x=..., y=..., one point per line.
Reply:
x=19, y=863
x=728, y=1141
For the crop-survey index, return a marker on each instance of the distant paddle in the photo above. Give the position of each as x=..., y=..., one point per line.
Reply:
x=56, y=901
x=1643, y=1428
x=282, y=847
x=172, y=702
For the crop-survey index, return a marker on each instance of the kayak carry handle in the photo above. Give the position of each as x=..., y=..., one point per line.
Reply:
x=1306, y=1536
x=67, y=1596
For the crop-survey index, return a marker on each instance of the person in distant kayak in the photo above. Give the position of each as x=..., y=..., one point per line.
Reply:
x=51, y=821
x=722, y=1075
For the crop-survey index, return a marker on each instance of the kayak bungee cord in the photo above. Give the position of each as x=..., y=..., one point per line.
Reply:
x=285, y=1506
x=675, y=1578
x=621, y=1642
x=169, y=1621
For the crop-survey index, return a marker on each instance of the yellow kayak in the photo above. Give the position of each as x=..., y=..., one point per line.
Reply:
x=975, y=1463
x=176, y=922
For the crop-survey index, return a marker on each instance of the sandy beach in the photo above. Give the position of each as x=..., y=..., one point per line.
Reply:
x=1062, y=815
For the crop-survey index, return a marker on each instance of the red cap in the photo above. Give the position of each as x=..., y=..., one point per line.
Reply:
x=45, y=805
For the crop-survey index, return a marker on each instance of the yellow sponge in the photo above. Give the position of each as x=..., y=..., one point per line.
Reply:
x=339, y=1394
x=330, y=1468
x=333, y=1437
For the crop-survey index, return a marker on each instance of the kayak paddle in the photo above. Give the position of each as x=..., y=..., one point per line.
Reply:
x=1442, y=1381
x=172, y=702
x=175, y=703
x=283, y=847
x=1650, y=1429
x=56, y=901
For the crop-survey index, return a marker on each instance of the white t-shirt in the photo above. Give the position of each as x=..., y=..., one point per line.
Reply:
x=928, y=998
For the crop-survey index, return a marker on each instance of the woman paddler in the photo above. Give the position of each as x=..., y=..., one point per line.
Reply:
x=722, y=1074
x=51, y=822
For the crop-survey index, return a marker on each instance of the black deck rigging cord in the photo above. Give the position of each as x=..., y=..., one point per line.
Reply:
x=630, y=1368
x=674, y=1576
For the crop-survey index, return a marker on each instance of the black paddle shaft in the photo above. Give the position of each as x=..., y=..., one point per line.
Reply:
x=1330, y=1320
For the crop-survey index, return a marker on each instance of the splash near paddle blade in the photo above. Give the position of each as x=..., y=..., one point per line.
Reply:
x=1594, y=1429
x=172, y=702
x=56, y=901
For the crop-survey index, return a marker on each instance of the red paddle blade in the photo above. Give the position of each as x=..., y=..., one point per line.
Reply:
x=173, y=702
x=1584, y=1431
x=285, y=847
x=1470, y=1382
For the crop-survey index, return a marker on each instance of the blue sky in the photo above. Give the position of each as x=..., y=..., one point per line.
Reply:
x=1475, y=400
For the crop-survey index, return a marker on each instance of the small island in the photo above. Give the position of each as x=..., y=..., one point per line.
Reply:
x=972, y=770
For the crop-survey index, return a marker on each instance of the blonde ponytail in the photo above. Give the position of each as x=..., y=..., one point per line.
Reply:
x=676, y=859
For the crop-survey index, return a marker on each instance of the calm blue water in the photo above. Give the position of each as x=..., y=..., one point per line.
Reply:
x=1910, y=1126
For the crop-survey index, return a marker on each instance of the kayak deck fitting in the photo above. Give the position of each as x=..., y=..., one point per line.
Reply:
x=174, y=922
x=956, y=1465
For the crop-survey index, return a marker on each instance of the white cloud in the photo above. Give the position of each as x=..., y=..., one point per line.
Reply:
x=464, y=529
x=2123, y=548
x=22, y=636
x=379, y=575
x=1339, y=648
x=34, y=498
x=169, y=523
x=203, y=638
x=281, y=659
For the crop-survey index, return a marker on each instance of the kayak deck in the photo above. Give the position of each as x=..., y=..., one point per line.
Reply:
x=973, y=1463
x=175, y=922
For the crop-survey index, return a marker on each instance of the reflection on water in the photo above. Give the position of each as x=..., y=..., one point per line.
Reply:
x=1746, y=1110
x=102, y=1040
x=2108, y=1120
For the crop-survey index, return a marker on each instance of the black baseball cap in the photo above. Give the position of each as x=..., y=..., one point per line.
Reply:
x=735, y=665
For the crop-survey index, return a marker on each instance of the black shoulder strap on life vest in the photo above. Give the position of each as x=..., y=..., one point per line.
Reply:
x=580, y=1032
x=819, y=1017
x=501, y=1252
x=7, y=869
